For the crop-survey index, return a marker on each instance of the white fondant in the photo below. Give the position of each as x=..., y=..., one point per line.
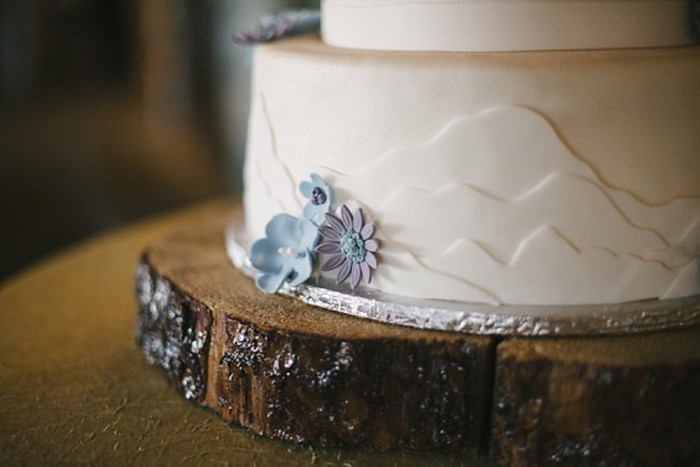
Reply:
x=494, y=205
x=546, y=264
x=273, y=180
x=476, y=216
x=453, y=211
x=686, y=281
x=631, y=115
x=575, y=207
x=494, y=26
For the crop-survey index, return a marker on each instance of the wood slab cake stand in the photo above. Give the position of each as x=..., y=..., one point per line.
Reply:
x=294, y=372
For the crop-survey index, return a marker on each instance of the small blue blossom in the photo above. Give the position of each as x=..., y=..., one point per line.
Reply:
x=286, y=252
x=320, y=198
x=351, y=245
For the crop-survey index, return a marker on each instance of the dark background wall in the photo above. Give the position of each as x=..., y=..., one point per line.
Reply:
x=111, y=110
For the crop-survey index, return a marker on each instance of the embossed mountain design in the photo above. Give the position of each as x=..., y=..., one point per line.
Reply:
x=502, y=152
x=496, y=208
x=271, y=176
x=580, y=210
x=503, y=183
x=545, y=258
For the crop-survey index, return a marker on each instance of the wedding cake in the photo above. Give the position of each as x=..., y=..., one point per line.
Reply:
x=501, y=152
x=477, y=174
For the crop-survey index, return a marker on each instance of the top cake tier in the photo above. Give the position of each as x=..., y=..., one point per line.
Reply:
x=505, y=25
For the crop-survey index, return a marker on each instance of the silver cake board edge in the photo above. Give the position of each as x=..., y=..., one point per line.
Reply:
x=479, y=319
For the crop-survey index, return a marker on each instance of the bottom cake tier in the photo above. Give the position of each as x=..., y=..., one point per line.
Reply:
x=290, y=371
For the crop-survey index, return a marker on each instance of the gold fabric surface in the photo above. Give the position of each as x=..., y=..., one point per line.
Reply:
x=75, y=389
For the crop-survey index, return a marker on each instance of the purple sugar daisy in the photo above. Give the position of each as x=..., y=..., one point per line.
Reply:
x=351, y=245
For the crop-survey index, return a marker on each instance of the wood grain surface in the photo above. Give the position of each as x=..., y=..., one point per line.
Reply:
x=615, y=400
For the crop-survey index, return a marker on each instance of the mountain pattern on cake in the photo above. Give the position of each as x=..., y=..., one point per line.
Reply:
x=495, y=208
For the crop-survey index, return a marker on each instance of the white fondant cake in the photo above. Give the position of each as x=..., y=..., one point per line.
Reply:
x=525, y=177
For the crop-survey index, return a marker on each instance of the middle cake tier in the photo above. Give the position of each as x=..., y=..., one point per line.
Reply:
x=504, y=178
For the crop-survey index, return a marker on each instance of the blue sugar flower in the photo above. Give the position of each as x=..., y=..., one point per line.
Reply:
x=286, y=252
x=352, y=246
x=320, y=197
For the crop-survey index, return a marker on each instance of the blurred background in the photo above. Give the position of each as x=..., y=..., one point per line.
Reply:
x=112, y=110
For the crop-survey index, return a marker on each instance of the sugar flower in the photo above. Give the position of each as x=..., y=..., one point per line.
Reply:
x=286, y=252
x=320, y=198
x=351, y=245
x=284, y=24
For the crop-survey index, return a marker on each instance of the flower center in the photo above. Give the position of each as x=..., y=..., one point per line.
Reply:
x=318, y=196
x=352, y=246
